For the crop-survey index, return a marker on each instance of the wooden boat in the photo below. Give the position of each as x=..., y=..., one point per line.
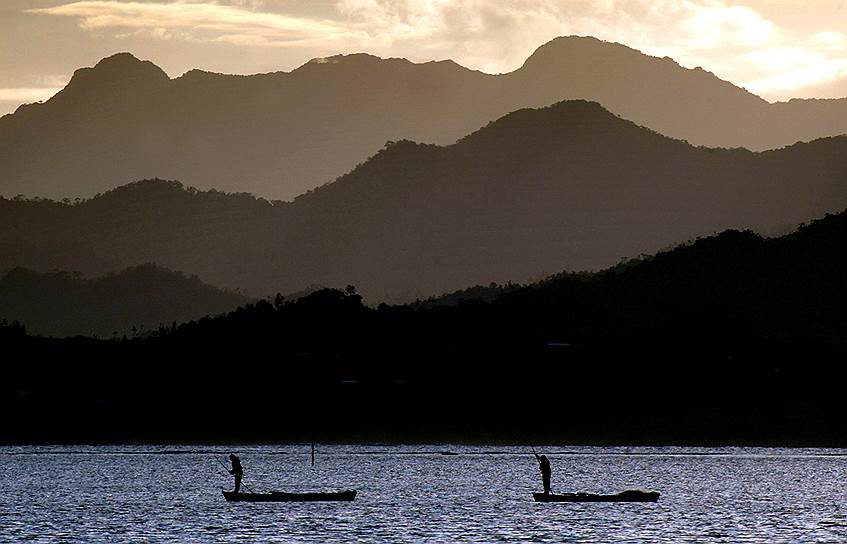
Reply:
x=279, y=496
x=630, y=495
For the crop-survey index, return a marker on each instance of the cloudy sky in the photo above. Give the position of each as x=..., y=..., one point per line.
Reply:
x=776, y=48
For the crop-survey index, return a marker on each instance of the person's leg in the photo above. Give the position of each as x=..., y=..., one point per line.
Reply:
x=547, y=484
x=237, y=483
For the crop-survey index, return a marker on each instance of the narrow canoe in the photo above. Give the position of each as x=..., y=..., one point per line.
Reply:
x=279, y=496
x=631, y=495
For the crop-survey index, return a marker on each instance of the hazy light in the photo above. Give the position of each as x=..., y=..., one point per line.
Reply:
x=200, y=21
x=27, y=94
x=737, y=42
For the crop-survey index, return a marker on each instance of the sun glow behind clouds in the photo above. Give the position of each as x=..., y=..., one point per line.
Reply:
x=737, y=42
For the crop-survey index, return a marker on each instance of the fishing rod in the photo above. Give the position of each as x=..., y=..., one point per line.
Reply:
x=222, y=464
x=217, y=470
x=242, y=477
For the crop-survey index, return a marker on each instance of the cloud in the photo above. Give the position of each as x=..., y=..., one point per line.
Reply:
x=737, y=42
x=717, y=26
x=830, y=40
x=202, y=22
x=497, y=36
x=490, y=34
x=796, y=70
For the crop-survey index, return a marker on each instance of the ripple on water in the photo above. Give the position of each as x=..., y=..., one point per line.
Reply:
x=414, y=494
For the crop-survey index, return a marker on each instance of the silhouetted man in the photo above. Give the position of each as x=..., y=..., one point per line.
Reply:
x=544, y=467
x=237, y=470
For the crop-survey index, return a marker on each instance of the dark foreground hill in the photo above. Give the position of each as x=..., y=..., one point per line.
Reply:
x=281, y=134
x=733, y=339
x=133, y=301
x=566, y=187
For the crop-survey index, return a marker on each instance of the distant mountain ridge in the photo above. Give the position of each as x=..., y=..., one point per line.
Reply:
x=569, y=186
x=731, y=339
x=281, y=134
x=731, y=283
x=140, y=298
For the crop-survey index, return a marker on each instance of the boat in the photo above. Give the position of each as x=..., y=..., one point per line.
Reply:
x=630, y=495
x=280, y=496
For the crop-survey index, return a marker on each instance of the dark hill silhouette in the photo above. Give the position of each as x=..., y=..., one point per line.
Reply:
x=730, y=339
x=568, y=186
x=140, y=298
x=149, y=221
x=733, y=283
x=283, y=133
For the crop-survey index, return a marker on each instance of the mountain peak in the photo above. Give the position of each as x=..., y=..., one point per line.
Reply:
x=579, y=49
x=550, y=123
x=582, y=57
x=117, y=59
x=576, y=108
x=120, y=69
x=348, y=59
x=127, y=66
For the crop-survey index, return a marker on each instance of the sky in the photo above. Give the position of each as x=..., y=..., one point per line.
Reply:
x=778, y=49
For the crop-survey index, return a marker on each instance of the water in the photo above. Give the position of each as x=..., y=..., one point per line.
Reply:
x=415, y=494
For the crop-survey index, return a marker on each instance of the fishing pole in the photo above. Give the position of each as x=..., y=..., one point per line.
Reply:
x=222, y=464
x=242, y=477
x=217, y=470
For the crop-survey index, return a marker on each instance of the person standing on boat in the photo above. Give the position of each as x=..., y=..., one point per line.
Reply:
x=237, y=470
x=544, y=467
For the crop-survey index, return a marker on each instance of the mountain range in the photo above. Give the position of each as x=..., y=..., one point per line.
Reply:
x=570, y=186
x=134, y=301
x=731, y=339
x=281, y=134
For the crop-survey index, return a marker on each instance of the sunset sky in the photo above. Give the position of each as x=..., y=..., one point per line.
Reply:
x=776, y=48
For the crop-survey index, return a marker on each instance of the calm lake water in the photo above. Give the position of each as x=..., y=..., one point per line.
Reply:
x=416, y=494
